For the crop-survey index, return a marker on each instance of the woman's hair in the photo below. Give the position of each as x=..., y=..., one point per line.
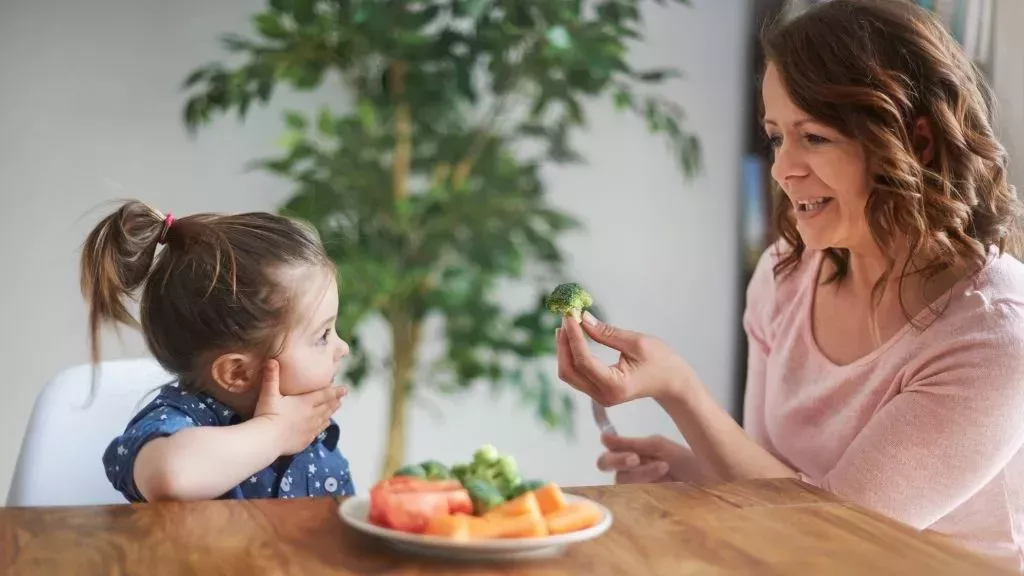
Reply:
x=870, y=69
x=215, y=286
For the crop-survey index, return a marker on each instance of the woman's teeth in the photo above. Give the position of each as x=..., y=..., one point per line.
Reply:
x=809, y=205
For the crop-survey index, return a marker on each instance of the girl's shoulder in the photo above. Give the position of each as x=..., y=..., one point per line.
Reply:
x=198, y=408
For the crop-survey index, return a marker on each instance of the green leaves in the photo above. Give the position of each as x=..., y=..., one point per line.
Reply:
x=483, y=81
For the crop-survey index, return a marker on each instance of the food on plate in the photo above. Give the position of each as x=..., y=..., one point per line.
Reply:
x=407, y=503
x=485, y=498
x=431, y=470
x=569, y=299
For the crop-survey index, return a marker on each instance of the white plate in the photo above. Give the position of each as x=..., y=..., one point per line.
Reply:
x=354, y=511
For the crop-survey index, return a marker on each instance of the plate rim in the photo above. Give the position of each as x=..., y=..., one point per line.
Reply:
x=497, y=545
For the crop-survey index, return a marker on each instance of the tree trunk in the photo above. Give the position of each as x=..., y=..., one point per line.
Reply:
x=404, y=341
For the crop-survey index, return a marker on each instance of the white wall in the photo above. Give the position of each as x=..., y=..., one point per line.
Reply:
x=91, y=113
x=1008, y=82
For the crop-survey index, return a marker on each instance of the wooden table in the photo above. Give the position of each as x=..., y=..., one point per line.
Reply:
x=758, y=527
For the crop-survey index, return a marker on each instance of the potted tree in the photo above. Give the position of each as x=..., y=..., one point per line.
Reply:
x=427, y=188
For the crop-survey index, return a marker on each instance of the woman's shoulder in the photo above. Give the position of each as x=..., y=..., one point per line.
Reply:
x=775, y=290
x=771, y=283
x=992, y=300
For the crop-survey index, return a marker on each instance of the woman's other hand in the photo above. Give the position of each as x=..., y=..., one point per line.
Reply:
x=647, y=367
x=649, y=459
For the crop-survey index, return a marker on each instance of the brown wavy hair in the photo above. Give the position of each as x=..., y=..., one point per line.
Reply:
x=214, y=286
x=870, y=69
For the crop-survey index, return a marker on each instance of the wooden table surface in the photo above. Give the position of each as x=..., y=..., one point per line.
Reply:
x=757, y=527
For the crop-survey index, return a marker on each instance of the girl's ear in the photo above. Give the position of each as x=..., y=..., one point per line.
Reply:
x=234, y=372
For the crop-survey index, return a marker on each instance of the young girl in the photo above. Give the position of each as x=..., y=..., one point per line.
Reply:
x=241, y=310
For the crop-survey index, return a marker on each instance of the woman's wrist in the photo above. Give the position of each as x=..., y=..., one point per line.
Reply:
x=677, y=385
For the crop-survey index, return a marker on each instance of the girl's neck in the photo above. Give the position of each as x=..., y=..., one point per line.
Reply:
x=242, y=404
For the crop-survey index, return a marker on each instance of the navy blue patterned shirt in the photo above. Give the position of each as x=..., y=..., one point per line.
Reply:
x=319, y=470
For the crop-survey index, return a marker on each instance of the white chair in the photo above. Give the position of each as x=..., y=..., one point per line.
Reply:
x=60, y=463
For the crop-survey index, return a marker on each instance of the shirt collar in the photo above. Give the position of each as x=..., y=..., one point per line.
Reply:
x=227, y=417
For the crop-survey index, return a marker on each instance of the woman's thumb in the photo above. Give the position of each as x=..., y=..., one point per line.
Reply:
x=617, y=338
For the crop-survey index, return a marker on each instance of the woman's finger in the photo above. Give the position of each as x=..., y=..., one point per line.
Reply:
x=618, y=339
x=583, y=361
x=649, y=472
x=566, y=370
x=655, y=446
x=615, y=461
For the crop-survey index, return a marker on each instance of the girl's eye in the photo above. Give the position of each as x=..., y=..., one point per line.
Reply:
x=324, y=336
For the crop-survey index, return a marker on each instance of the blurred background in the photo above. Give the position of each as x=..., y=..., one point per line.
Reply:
x=93, y=111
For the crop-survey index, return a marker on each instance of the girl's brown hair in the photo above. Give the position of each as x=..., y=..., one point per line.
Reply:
x=214, y=287
x=870, y=69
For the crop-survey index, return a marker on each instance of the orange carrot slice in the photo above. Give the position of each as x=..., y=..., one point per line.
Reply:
x=573, y=517
x=550, y=498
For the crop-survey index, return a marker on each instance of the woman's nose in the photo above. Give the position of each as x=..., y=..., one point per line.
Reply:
x=788, y=163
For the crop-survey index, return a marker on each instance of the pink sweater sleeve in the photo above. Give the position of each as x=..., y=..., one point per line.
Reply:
x=756, y=323
x=955, y=425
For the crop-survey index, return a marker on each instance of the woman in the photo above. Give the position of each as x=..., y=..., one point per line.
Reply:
x=886, y=327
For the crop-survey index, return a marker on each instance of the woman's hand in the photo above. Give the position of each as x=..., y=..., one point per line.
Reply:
x=298, y=418
x=647, y=367
x=650, y=459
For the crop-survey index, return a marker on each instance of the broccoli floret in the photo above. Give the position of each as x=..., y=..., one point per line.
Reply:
x=460, y=472
x=484, y=495
x=414, y=470
x=435, y=470
x=485, y=455
x=524, y=487
x=507, y=466
x=569, y=299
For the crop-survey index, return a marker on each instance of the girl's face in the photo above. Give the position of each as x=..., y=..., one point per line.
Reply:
x=313, y=351
x=824, y=175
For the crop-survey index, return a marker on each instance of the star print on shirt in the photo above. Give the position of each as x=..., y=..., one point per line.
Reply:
x=176, y=409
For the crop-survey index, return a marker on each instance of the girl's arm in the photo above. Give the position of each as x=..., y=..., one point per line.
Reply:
x=205, y=462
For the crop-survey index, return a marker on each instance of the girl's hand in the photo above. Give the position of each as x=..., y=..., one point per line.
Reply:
x=300, y=418
x=647, y=367
x=649, y=459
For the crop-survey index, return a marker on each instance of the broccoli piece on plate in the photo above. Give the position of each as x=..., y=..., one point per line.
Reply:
x=484, y=495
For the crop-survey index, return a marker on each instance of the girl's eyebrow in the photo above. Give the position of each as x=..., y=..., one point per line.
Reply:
x=323, y=325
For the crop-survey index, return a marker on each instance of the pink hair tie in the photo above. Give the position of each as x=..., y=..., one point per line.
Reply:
x=167, y=226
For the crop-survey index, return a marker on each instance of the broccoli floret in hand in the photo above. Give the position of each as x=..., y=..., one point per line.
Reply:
x=569, y=299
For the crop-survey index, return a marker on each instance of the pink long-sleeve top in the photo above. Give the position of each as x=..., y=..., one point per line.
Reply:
x=927, y=429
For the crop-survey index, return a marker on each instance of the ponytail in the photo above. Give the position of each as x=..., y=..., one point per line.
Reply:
x=116, y=261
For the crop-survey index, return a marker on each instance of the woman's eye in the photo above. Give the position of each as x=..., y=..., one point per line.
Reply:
x=774, y=140
x=815, y=139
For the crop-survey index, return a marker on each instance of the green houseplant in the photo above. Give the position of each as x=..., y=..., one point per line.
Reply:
x=426, y=185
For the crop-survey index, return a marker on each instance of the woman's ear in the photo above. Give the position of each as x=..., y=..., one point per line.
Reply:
x=234, y=372
x=924, y=141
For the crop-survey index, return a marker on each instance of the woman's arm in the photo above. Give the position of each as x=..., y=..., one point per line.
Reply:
x=715, y=437
x=934, y=445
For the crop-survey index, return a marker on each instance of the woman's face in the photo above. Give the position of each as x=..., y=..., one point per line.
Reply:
x=824, y=175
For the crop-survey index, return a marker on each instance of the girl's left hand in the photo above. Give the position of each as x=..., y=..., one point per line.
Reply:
x=647, y=367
